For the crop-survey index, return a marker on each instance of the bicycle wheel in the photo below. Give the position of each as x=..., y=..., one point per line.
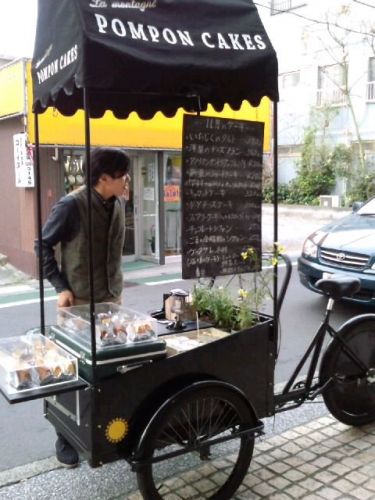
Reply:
x=350, y=397
x=189, y=424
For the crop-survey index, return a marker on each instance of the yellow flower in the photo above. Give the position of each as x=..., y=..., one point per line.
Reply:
x=243, y=293
x=280, y=248
x=250, y=252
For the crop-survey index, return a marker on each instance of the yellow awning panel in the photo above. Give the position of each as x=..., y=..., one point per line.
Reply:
x=158, y=133
x=12, y=89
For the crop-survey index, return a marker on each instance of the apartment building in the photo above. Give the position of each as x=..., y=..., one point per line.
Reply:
x=326, y=54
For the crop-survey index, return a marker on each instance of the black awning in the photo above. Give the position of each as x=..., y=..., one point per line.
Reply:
x=151, y=55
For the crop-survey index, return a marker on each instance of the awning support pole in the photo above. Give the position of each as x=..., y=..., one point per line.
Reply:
x=86, y=105
x=39, y=221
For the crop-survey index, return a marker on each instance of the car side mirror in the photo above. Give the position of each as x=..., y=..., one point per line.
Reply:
x=357, y=205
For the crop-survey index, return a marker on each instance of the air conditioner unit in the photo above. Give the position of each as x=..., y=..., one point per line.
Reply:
x=329, y=201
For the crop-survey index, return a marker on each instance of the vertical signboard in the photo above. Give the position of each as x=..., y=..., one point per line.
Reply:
x=221, y=195
x=23, y=162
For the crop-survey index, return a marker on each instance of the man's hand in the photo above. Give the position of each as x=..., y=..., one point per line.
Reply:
x=65, y=299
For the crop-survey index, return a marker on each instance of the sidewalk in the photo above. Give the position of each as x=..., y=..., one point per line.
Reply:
x=322, y=459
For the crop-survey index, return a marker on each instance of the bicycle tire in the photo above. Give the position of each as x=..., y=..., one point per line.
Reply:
x=350, y=397
x=187, y=418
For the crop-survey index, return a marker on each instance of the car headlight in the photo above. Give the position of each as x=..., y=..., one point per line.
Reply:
x=310, y=249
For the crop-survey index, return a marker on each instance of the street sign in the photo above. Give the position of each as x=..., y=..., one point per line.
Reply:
x=23, y=162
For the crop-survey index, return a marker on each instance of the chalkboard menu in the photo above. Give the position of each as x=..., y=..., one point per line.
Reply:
x=221, y=195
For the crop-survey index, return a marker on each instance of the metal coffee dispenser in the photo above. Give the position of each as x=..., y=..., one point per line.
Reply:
x=176, y=305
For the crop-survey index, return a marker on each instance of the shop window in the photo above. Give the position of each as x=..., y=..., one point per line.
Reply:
x=172, y=203
x=73, y=172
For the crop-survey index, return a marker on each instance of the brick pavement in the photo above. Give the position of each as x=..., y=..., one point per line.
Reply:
x=323, y=459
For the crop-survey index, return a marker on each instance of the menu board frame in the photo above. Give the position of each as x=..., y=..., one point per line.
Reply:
x=221, y=195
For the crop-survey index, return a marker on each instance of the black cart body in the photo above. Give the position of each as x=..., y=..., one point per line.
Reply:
x=243, y=359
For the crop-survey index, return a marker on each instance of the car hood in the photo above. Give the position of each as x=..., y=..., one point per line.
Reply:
x=354, y=233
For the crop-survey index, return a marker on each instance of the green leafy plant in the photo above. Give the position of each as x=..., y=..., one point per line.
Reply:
x=243, y=310
x=216, y=304
x=319, y=166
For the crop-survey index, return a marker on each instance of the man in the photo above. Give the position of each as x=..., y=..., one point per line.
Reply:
x=67, y=225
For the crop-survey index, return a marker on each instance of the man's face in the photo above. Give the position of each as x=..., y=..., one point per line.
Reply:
x=115, y=186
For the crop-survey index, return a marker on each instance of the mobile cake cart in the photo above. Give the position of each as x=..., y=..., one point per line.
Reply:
x=140, y=397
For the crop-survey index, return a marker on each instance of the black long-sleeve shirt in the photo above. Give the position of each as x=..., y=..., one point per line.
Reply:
x=62, y=225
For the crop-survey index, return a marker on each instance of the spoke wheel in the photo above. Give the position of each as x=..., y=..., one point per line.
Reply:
x=350, y=397
x=205, y=469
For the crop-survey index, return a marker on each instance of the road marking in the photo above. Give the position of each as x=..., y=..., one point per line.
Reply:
x=9, y=289
x=26, y=302
x=152, y=283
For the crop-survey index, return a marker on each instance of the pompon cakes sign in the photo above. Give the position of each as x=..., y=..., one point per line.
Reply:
x=161, y=55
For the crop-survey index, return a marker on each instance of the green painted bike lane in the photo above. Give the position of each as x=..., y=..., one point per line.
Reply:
x=29, y=296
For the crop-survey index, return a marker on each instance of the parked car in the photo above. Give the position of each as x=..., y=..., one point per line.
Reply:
x=346, y=246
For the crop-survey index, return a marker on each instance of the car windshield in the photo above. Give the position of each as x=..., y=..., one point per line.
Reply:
x=368, y=208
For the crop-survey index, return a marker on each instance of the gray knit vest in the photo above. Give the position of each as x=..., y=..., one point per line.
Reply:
x=108, y=242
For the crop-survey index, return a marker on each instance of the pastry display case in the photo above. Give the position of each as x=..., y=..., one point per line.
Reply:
x=32, y=363
x=124, y=338
x=114, y=324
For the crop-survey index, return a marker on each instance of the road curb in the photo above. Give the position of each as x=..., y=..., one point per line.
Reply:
x=24, y=472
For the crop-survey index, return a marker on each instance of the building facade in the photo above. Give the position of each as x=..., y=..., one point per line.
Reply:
x=326, y=54
x=153, y=213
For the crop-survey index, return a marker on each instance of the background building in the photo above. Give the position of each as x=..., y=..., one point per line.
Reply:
x=326, y=54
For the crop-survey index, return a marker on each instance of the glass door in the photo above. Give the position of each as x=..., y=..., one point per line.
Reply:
x=129, y=245
x=172, y=203
x=148, y=206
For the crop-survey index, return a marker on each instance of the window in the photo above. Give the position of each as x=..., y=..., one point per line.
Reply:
x=73, y=172
x=278, y=6
x=331, y=86
x=371, y=80
x=289, y=85
x=289, y=80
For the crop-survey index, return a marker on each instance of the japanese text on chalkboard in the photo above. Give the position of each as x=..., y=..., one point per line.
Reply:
x=221, y=194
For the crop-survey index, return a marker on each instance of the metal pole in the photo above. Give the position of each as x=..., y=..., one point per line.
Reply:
x=86, y=105
x=275, y=220
x=39, y=222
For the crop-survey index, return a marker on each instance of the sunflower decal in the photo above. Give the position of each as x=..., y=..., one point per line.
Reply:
x=116, y=430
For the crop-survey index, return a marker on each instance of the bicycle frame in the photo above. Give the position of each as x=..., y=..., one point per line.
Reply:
x=291, y=393
x=294, y=394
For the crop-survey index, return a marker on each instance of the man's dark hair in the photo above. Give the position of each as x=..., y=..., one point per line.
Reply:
x=111, y=161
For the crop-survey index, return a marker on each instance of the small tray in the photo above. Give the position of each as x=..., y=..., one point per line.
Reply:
x=186, y=341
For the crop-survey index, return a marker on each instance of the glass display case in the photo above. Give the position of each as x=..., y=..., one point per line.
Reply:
x=114, y=324
x=32, y=361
